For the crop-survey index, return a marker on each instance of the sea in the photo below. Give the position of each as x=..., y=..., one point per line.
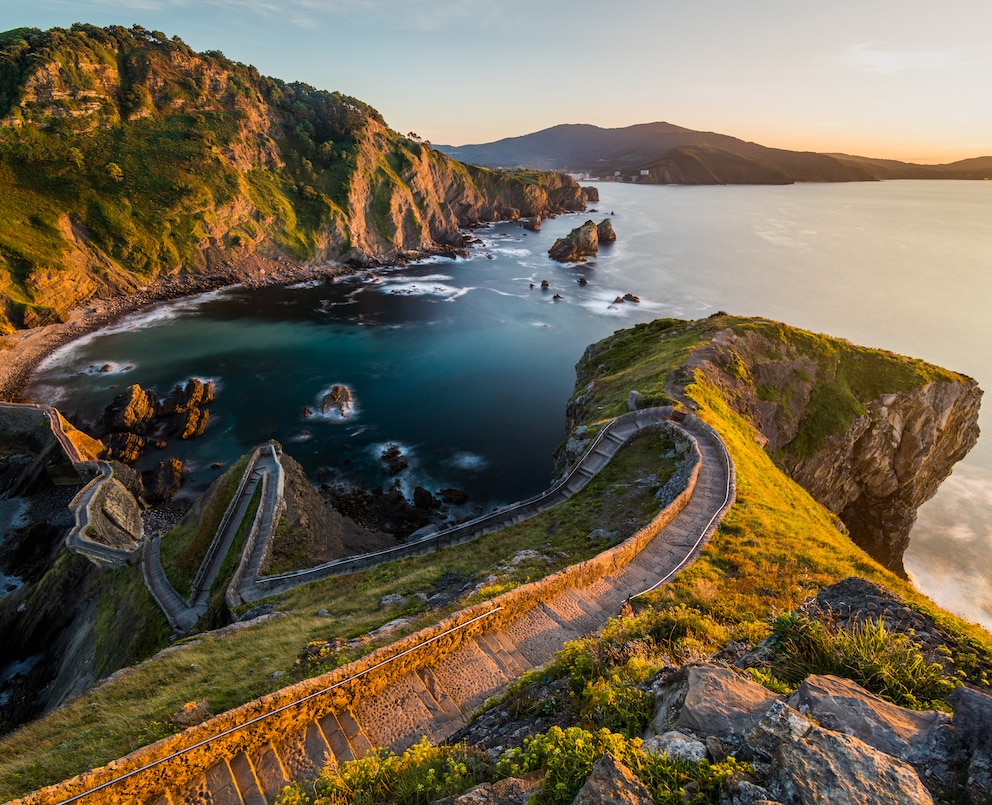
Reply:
x=466, y=364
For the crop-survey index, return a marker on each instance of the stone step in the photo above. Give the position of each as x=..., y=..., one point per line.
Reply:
x=360, y=744
x=397, y=716
x=216, y=787
x=469, y=675
x=304, y=753
x=340, y=746
x=247, y=782
x=269, y=772
x=510, y=668
x=440, y=695
x=537, y=635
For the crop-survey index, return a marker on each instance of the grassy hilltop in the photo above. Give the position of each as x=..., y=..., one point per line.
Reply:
x=776, y=547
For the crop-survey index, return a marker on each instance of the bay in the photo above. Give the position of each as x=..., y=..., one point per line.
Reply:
x=468, y=368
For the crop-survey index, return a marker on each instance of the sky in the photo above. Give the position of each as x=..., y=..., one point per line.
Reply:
x=900, y=79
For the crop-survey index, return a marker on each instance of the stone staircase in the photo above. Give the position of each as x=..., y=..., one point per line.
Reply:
x=435, y=695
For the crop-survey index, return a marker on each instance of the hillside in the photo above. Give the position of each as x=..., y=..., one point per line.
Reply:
x=760, y=385
x=126, y=157
x=663, y=153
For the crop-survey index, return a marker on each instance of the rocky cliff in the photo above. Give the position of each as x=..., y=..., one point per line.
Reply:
x=871, y=435
x=126, y=157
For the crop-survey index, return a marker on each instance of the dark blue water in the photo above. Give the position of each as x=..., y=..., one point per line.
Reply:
x=468, y=369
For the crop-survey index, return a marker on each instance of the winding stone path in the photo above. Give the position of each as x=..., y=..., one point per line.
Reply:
x=435, y=696
x=263, y=469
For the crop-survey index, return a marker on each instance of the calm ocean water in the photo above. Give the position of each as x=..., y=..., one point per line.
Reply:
x=467, y=368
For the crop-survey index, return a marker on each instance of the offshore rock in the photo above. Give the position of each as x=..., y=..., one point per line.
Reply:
x=339, y=398
x=132, y=410
x=162, y=483
x=605, y=231
x=581, y=242
x=591, y=194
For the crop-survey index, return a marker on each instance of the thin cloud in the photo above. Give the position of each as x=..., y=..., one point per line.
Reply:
x=867, y=56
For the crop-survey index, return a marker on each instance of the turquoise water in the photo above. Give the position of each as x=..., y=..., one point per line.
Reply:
x=468, y=368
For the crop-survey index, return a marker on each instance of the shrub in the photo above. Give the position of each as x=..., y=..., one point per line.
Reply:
x=888, y=664
x=567, y=757
x=423, y=773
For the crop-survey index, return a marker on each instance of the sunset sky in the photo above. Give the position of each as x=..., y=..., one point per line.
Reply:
x=903, y=79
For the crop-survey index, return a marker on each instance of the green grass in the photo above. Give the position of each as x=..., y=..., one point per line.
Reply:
x=184, y=546
x=228, y=671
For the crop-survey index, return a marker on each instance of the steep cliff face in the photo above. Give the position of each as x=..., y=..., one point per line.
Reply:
x=869, y=434
x=125, y=156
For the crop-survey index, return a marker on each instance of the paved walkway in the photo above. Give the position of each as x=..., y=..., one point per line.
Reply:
x=442, y=690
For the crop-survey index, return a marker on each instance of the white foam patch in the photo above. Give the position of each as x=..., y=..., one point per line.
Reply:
x=468, y=462
x=510, y=251
x=604, y=304
x=298, y=286
x=333, y=414
x=420, y=288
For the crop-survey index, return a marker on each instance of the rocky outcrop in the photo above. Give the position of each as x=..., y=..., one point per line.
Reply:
x=869, y=434
x=338, y=399
x=577, y=245
x=137, y=418
x=832, y=741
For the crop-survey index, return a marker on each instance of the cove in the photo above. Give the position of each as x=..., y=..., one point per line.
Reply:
x=468, y=369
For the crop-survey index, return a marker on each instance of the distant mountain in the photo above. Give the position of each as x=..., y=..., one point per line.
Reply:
x=663, y=153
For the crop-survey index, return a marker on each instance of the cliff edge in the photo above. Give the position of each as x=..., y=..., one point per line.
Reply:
x=870, y=434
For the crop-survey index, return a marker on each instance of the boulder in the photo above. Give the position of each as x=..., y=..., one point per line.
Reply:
x=511, y=791
x=581, y=242
x=191, y=714
x=740, y=789
x=826, y=766
x=973, y=727
x=920, y=738
x=392, y=600
x=591, y=194
x=676, y=744
x=605, y=231
x=612, y=783
x=710, y=700
x=533, y=224
x=778, y=725
x=423, y=499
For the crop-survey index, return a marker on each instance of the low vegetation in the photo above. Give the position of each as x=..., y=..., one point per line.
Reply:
x=184, y=546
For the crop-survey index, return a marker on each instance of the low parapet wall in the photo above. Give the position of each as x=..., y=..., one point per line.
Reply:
x=176, y=761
